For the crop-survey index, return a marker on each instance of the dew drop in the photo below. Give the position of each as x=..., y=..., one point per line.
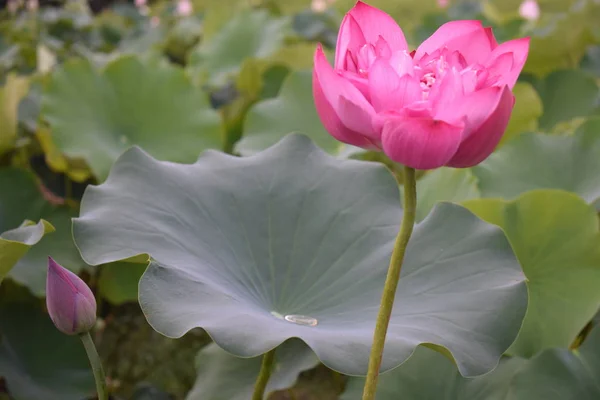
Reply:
x=301, y=320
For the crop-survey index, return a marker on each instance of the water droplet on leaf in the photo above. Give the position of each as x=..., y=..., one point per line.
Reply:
x=301, y=319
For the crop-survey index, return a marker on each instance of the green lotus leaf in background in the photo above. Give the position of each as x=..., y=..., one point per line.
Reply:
x=222, y=376
x=590, y=127
x=292, y=242
x=98, y=114
x=30, y=271
x=14, y=89
x=526, y=113
x=39, y=362
x=15, y=243
x=555, y=374
x=18, y=206
x=292, y=111
x=24, y=201
x=565, y=95
x=534, y=161
x=444, y=184
x=556, y=238
x=118, y=281
x=562, y=35
x=248, y=34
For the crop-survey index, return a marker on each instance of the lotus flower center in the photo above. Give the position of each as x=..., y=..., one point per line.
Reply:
x=427, y=81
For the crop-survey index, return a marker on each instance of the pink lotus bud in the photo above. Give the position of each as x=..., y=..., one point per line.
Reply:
x=529, y=10
x=443, y=3
x=71, y=303
x=446, y=103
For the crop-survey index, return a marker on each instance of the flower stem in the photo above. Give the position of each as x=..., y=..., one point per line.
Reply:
x=391, y=283
x=263, y=376
x=96, y=364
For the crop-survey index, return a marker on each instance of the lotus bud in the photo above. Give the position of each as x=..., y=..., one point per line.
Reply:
x=71, y=303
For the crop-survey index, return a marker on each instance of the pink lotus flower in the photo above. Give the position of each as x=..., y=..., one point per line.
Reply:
x=447, y=103
x=71, y=303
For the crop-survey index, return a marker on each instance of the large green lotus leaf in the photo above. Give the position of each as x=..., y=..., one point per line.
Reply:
x=534, y=161
x=21, y=201
x=555, y=374
x=556, y=238
x=39, y=362
x=444, y=184
x=96, y=115
x=292, y=111
x=222, y=376
x=566, y=95
x=527, y=111
x=248, y=34
x=293, y=242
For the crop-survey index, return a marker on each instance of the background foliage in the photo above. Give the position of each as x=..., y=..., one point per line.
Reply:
x=80, y=84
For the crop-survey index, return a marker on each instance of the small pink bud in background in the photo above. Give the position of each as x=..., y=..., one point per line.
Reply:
x=154, y=21
x=318, y=6
x=443, y=3
x=184, y=8
x=33, y=5
x=12, y=6
x=71, y=303
x=140, y=3
x=529, y=10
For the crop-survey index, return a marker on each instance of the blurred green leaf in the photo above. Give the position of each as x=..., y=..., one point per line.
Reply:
x=46, y=59
x=96, y=115
x=39, y=362
x=566, y=95
x=444, y=184
x=248, y=34
x=561, y=37
x=536, y=161
x=118, y=281
x=501, y=11
x=223, y=376
x=30, y=271
x=556, y=238
x=20, y=204
x=589, y=127
x=292, y=111
x=11, y=94
x=528, y=109
x=556, y=374
x=591, y=61
x=15, y=243
x=24, y=201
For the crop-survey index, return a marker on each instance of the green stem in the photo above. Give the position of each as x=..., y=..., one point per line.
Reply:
x=96, y=364
x=391, y=283
x=263, y=376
